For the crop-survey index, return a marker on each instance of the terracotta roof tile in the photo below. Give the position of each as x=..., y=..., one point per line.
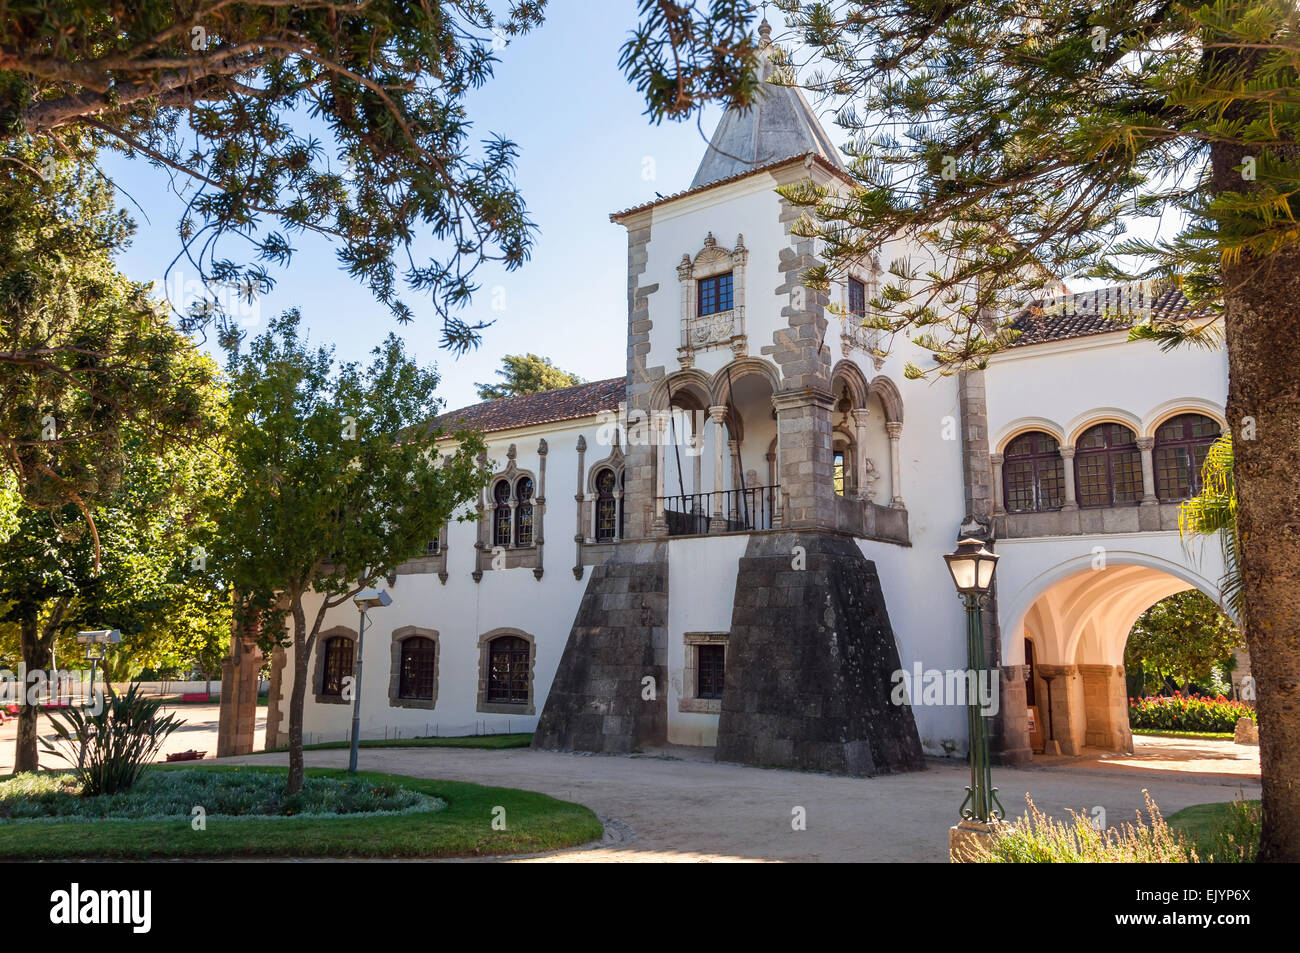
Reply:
x=1086, y=313
x=545, y=407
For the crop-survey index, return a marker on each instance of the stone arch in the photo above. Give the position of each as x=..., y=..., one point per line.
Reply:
x=1078, y=615
x=890, y=398
x=691, y=385
x=1184, y=405
x=1101, y=415
x=730, y=374
x=847, y=374
x=401, y=635
x=484, y=658
x=1024, y=425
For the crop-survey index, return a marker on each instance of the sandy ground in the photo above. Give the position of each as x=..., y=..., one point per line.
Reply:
x=676, y=806
x=199, y=732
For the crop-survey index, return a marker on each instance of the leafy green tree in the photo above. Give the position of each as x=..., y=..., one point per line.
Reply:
x=1213, y=512
x=1183, y=637
x=138, y=572
x=1017, y=141
x=526, y=374
x=216, y=93
x=337, y=481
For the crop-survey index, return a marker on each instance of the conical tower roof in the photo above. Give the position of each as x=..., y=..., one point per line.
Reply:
x=778, y=125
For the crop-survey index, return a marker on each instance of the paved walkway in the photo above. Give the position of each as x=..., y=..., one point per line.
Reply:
x=674, y=805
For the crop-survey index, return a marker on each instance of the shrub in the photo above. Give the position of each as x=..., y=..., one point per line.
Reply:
x=1038, y=839
x=109, y=749
x=1187, y=713
x=166, y=794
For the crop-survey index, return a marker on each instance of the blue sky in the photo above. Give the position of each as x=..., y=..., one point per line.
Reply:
x=558, y=93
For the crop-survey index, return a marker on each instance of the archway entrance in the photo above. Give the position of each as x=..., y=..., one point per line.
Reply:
x=1071, y=639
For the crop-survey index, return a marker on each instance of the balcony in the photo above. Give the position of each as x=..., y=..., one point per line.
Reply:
x=727, y=511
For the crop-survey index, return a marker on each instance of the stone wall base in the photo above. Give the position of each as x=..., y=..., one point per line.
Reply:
x=810, y=661
x=600, y=699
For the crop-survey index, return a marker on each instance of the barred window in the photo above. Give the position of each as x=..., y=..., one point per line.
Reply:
x=524, y=512
x=710, y=670
x=416, y=672
x=857, y=298
x=1033, y=474
x=508, y=664
x=501, y=514
x=1108, y=466
x=837, y=471
x=1181, y=445
x=338, y=665
x=606, y=506
x=715, y=294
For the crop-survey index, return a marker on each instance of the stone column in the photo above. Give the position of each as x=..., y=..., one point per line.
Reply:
x=895, y=429
x=719, y=417
x=579, y=496
x=697, y=467
x=237, y=718
x=733, y=451
x=1146, y=445
x=657, y=430
x=539, y=510
x=1105, y=707
x=860, y=417
x=996, y=460
x=1067, y=459
x=1064, y=719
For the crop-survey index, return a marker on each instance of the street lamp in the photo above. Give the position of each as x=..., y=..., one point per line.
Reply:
x=972, y=569
x=365, y=600
x=97, y=642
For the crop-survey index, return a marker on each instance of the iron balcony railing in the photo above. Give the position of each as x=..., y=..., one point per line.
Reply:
x=751, y=508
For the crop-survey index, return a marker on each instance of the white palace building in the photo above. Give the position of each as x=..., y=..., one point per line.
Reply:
x=738, y=541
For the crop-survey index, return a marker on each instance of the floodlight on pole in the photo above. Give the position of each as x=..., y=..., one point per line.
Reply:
x=365, y=600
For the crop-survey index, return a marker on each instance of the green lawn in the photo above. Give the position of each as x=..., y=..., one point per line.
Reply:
x=1207, y=735
x=486, y=742
x=464, y=828
x=1226, y=831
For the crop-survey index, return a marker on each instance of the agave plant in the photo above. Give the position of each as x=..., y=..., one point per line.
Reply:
x=1214, y=512
x=109, y=749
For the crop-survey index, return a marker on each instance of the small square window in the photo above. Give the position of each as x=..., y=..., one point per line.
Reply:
x=715, y=294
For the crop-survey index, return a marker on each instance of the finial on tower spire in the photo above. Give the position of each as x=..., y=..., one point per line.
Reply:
x=765, y=31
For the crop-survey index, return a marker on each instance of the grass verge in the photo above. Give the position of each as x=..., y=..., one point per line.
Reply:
x=485, y=742
x=1206, y=735
x=464, y=828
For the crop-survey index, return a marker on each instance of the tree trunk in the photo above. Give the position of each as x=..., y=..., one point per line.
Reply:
x=36, y=657
x=1262, y=318
x=301, y=658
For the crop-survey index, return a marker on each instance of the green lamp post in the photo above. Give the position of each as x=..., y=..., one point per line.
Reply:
x=972, y=569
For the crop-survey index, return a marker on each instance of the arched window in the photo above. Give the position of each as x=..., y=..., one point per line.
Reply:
x=416, y=670
x=501, y=514
x=524, y=512
x=508, y=664
x=1181, y=445
x=1108, y=466
x=1033, y=474
x=607, y=521
x=338, y=665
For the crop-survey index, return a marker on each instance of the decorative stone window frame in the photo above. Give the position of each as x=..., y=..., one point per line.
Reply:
x=854, y=337
x=617, y=463
x=528, y=556
x=429, y=562
x=400, y=635
x=318, y=668
x=687, y=701
x=722, y=328
x=484, y=657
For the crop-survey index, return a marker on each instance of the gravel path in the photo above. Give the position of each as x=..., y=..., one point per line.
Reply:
x=677, y=806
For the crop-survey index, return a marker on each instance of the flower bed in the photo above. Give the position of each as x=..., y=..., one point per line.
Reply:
x=160, y=795
x=1187, y=713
